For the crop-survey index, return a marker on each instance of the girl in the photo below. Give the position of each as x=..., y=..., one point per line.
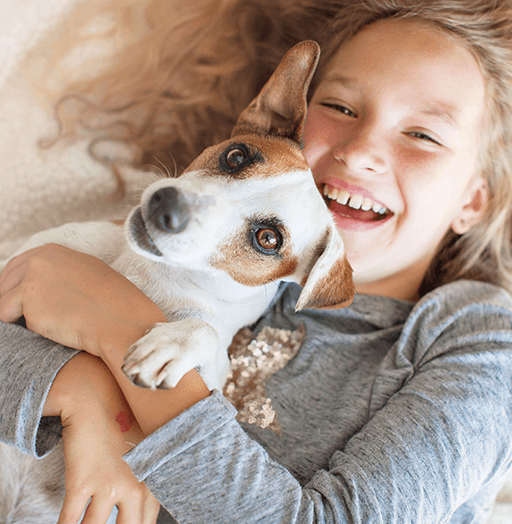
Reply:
x=396, y=409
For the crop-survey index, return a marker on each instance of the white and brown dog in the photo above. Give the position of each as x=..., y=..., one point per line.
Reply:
x=210, y=246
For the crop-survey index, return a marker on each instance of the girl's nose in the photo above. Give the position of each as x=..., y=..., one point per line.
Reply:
x=361, y=152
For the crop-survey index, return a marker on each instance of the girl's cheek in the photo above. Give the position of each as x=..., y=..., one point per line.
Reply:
x=314, y=145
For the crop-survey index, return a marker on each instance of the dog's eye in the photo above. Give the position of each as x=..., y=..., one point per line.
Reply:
x=267, y=240
x=235, y=157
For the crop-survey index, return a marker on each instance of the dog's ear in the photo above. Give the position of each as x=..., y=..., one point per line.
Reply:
x=280, y=108
x=329, y=282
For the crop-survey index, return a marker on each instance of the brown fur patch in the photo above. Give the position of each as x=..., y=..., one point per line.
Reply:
x=279, y=155
x=238, y=258
x=335, y=290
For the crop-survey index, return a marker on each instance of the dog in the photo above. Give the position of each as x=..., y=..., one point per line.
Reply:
x=210, y=246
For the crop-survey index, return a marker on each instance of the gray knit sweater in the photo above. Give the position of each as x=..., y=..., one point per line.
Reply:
x=391, y=412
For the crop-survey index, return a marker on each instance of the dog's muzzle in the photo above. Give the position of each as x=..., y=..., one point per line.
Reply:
x=168, y=210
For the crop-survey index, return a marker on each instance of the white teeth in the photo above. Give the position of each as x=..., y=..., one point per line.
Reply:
x=343, y=197
x=354, y=201
x=366, y=205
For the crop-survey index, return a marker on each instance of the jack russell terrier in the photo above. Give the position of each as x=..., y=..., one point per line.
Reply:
x=210, y=246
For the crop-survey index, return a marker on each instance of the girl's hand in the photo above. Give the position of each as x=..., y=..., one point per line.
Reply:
x=95, y=470
x=99, y=429
x=74, y=299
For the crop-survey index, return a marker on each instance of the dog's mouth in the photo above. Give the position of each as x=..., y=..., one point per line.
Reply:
x=140, y=235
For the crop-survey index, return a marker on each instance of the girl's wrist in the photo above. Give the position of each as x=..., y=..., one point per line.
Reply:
x=119, y=334
x=82, y=382
x=153, y=408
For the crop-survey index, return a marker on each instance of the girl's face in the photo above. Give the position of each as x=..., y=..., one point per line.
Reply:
x=392, y=137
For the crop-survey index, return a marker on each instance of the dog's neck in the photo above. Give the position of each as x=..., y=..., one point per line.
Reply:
x=209, y=293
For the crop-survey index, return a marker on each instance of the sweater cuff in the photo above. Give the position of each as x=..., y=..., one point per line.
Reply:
x=28, y=366
x=179, y=434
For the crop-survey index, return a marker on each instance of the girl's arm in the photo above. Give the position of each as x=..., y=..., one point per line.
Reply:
x=46, y=384
x=80, y=302
x=443, y=438
x=435, y=451
x=98, y=429
x=43, y=384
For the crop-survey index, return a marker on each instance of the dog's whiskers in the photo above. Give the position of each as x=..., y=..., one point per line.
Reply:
x=167, y=171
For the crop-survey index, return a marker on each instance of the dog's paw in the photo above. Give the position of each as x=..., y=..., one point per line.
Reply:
x=169, y=350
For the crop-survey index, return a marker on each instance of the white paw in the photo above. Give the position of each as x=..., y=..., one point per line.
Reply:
x=169, y=350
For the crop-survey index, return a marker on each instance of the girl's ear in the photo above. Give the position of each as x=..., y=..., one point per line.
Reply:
x=474, y=206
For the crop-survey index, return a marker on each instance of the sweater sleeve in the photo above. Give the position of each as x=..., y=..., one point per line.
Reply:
x=28, y=365
x=425, y=453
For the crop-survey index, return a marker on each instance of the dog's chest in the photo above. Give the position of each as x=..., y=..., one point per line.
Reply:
x=184, y=293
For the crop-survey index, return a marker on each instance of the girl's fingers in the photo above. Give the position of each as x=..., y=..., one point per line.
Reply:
x=151, y=511
x=98, y=511
x=137, y=514
x=72, y=509
x=12, y=275
x=16, y=262
x=11, y=278
x=11, y=306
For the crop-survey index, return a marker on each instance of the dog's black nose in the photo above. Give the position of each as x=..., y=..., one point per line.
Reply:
x=168, y=210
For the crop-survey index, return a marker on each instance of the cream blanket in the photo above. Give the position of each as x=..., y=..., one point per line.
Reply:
x=40, y=189
x=43, y=188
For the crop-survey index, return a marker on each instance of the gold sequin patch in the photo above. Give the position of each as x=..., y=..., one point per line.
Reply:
x=253, y=361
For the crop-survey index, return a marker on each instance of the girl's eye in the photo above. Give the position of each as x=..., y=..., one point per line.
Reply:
x=340, y=109
x=423, y=136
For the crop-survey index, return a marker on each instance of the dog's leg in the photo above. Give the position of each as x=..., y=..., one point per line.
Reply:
x=169, y=350
x=103, y=240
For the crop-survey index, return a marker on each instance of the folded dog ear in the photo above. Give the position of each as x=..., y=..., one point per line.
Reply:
x=280, y=108
x=329, y=283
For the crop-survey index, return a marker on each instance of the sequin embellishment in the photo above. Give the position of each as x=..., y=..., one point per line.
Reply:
x=253, y=361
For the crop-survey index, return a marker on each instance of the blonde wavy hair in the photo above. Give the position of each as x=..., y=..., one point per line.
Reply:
x=184, y=71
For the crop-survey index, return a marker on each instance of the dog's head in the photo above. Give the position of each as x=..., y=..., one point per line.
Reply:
x=249, y=206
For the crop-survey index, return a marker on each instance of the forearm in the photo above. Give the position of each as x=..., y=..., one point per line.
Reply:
x=98, y=430
x=152, y=409
x=104, y=314
x=203, y=467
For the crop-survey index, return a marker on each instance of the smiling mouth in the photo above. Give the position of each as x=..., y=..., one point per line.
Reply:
x=353, y=206
x=140, y=235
